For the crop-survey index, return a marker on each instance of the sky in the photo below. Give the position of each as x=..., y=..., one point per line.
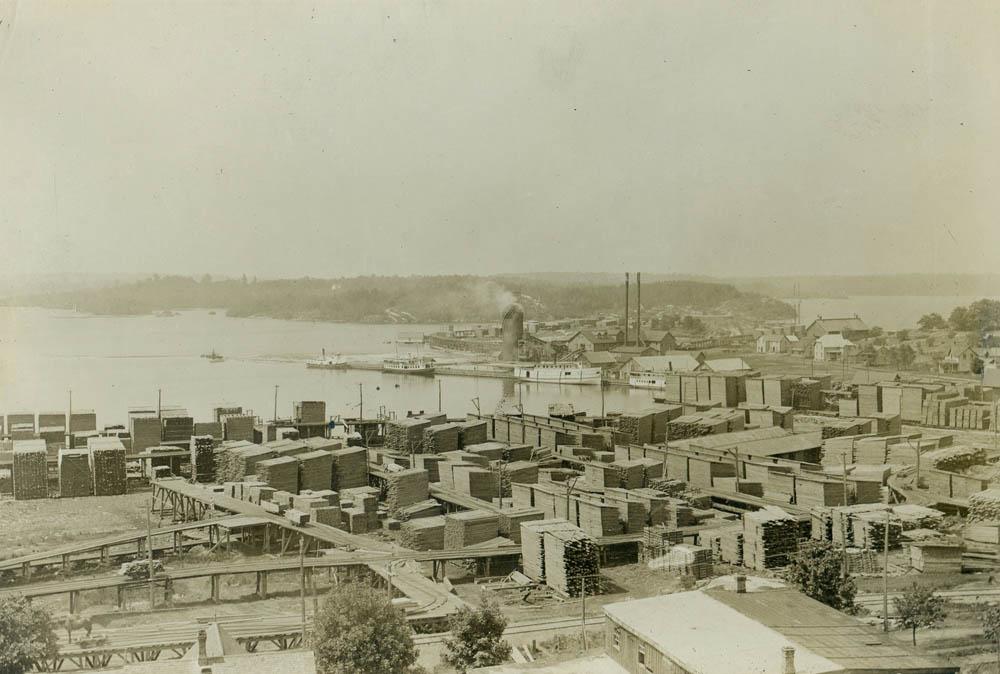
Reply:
x=284, y=139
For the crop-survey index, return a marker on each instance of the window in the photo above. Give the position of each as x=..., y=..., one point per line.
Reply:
x=642, y=658
x=617, y=637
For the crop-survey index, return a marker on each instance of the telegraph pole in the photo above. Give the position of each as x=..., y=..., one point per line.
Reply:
x=583, y=611
x=885, y=576
x=275, y=417
x=149, y=553
x=302, y=582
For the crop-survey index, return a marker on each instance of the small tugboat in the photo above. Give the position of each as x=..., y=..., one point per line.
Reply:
x=334, y=362
x=409, y=365
x=213, y=357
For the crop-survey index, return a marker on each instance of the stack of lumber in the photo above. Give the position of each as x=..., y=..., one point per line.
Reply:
x=428, y=508
x=203, y=458
x=107, y=465
x=869, y=399
x=731, y=546
x=868, y=529
x=430, y=463
x=288, y=447
x=631, y=473
x=425, y=533
x=328, y=515
x=596, y=518
x=572, y=562
x=631, y=513
x=74, y=473
x=637, y=426
x=471, y=432
x=511, y=519
x=356, y=519
x=669, y=486
x=657, y=539
x=326, y=444
x=280, y=473
x=405, y=436
x=687, y=426
x=516, y=452
x=476, y=482
x=847, y=407
x=310, y=411
x=679, y=514
x=315, y=470
x=470, y=527
x=524, y=472
x=234, y=460
x=485, y=451
x=177, y=429
x=441, y=438
x=52, y=435
x=533, y=544
x=82, y=420
x=213, y=428
x=219, y=411
x=404, y=488
x=956, y=459
x=654, y=502
x=237, y=426
x=30, y=470
x=912, y=516
x=984, y=506
x=686, y=560
x=145, y=431
x=770, y=536
x=350, y=468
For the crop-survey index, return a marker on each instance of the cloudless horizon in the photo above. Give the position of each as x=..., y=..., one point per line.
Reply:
x=332, y=139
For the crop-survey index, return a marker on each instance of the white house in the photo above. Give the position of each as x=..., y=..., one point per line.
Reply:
x=833, y=346
x=776, y=343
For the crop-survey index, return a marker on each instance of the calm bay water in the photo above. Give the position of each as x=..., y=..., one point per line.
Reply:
x=889, y=312
x=112, y=363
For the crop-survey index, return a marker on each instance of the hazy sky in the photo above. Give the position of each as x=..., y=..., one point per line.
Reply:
x=338, y=138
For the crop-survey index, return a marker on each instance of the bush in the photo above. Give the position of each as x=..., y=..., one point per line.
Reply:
x=359, y=631
x=476, y=638
x=27, y=635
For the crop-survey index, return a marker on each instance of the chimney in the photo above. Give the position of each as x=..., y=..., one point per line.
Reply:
x=638, y=308
x=741, y=584
x=787, y=660
x=626, y=308
x=202, y=648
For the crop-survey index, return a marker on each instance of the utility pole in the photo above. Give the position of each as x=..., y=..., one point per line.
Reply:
x=361, y=402
x=302, y=581
x=149, y=553
x=159, y=404
x=439, y=395
x=69, y=422
x=602, y=395
x=885, y=576
x=275, y=417
x=583, y=611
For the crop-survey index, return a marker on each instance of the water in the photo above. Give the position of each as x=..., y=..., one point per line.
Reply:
x=889, y=312
x=112, y=363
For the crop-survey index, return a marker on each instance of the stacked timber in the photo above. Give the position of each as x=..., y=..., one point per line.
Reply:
x=280, y=473
x=107, y=466
x=315, y=470
x=237, y=426
x=203, y=458
x=425, y=533
x=30, y=470
x=524, y=472
x=441, y=438
x=679, y=514
x=511, y=519
x=310, y=411
x=770, y=537
x=869, y=530
x=476, y=482
x=430, y=463
x=145, y=431
x=657, y=539
x=533, y=544
x=234, y=460
x=638, y=427
x=912, y=516
x=471, y=432
x=686, y=560
x=328, y=515
x=731, y=546
x=177, y=429
x=631, y=473
x=984, y=506
x=687, y=426
x=213, y=428
x=470, y=527
x=74, y=473
x=485, y=451
x=428, y=508
x=405, y=436
x=595, y=518
x=572, y=561
x=405, y=488
x=350, y=468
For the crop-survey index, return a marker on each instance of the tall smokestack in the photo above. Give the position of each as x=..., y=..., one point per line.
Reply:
x=638, y=308
x=626, y=308
x=512, y=330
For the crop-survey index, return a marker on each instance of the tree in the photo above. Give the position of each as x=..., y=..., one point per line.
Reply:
x=817, y=569
x=918, y=607
x=991, y=628
x=27, y=635
x=476, y=637
x=903, y=355
x=358, y=630
x=932, y=321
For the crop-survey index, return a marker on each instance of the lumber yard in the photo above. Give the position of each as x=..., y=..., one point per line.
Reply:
x=546, y=505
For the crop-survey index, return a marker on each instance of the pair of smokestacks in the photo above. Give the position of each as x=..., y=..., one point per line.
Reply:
x=638, y=308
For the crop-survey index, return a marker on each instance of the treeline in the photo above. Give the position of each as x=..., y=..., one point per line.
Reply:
x=373, y=299
x=980, y=316
x=893, y=285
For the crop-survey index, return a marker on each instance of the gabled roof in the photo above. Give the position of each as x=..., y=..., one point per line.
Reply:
x=727, y=365
x=834, y=341
x=839, y=324
x=599, y=357
x=655, y=335
x=598, y=336
x=682, y=362
x=217, y=645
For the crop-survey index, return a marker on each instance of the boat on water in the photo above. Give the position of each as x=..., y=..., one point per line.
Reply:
x=334, y=362
x=558, y=373
x=409, y=365
x=213, y=357
x=410, y=338
x=653, y=380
